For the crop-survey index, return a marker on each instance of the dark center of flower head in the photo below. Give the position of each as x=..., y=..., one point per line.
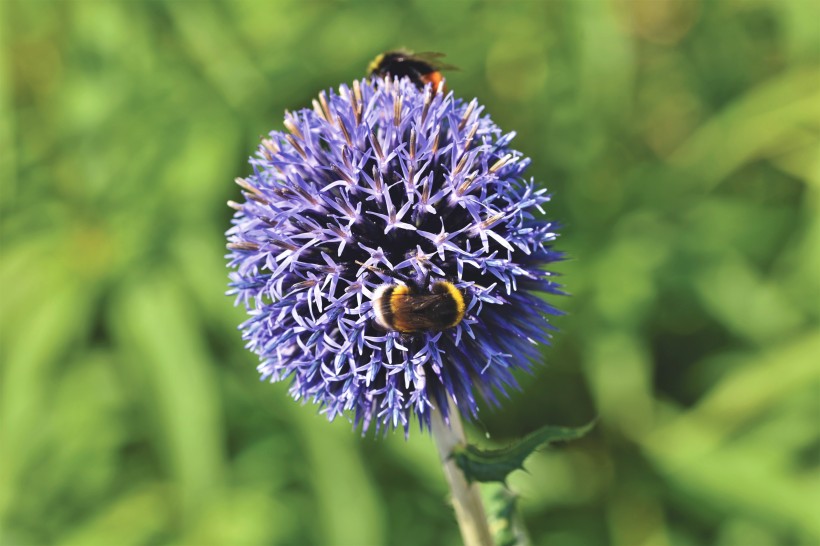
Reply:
x=388, y=183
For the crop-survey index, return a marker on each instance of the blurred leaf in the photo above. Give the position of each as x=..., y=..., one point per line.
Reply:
x=494, y=465
x=158, y=331
x=803, y=41
x=739, y=398
x=695, y=450
x=800, y=157
x=217, y=51
x=8, y=129
x=418, y=455
x=749, y=127
x=348, y=504
x=558, y=479
x=749, y=306
x=137, y=517
x=245, y=516
x=762, y=382
x=799, y=266
x=599, y=22
x=201, y=264
x=619, y=370
x=19, y=268
x=505, y=522
x=732, y=480
x=30, y=361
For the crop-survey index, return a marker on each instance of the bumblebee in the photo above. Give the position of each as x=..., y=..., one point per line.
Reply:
x=411, y=309
x=421, y=68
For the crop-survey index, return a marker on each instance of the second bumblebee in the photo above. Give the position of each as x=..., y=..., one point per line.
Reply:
x=421, y=68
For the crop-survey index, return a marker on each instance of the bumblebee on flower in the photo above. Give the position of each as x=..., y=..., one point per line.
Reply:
x=389, y=255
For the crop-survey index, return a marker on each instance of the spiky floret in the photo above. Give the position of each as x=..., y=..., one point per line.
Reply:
x=385, y=177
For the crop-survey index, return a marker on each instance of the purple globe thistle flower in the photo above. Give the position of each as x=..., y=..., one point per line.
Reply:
x=386, y=183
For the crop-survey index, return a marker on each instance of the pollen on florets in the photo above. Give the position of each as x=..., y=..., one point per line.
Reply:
x=377, y=182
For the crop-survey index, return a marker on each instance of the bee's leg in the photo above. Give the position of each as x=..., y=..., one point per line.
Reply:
x=425, y=280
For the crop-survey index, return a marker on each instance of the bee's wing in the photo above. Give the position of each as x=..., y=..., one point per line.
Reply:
x=433, y=58
x=421, y=312
x=423, y=303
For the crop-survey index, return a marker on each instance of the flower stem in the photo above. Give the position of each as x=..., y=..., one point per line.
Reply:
x=469, y=508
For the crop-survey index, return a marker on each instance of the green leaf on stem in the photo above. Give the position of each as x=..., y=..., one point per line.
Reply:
x=505, y=521
x=494, y=465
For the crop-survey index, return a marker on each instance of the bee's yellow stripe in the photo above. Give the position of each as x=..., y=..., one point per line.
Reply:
x=458, y=297
x=400, y=291
x=374, y=64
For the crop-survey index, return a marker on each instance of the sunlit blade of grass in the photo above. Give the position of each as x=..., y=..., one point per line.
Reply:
x=158, y=332
x=749, y=127
x=137, y=517
x=8, y=127
x=218, y=53
x=31, y=360
x=20, y=268
x=695, y=450
x=349, y=508
x=619, y=368
x=202, y=265
x=750, y=306
x=799, y=266
x=605, y=33
x=743, y=395
x=732, y=479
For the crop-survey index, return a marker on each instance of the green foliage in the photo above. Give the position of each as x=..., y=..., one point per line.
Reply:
x=679, y=140
x=505, y=524
x=494, y=465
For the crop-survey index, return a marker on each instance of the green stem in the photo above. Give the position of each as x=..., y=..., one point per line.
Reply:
x=472, y=520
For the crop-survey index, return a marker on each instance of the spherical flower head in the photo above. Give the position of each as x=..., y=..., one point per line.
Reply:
x=386, y=183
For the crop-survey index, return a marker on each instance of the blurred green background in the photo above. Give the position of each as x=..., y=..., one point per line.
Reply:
x=679, y=139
